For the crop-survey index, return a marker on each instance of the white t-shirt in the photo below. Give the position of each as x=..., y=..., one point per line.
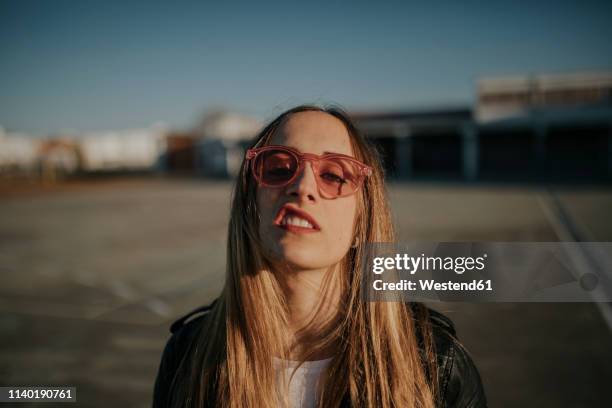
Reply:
x=303, y=385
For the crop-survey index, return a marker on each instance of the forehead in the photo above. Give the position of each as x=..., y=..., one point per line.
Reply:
x=314, y=132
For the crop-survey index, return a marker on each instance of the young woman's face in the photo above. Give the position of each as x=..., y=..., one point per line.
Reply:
x=307, y=248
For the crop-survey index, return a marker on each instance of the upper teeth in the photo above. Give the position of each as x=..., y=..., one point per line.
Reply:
x=297, y=221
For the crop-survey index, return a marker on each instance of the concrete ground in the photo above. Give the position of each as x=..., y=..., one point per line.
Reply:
x=93, y=274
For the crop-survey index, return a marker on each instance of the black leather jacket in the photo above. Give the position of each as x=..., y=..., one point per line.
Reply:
x=459, y=381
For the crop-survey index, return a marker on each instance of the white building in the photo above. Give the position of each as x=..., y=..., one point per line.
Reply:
x=133, y=149
x=18, y=152
x=223, y=136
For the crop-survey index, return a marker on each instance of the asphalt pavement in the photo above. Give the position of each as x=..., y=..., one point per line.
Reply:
x=92, y=276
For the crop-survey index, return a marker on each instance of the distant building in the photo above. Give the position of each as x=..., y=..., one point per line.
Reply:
x=18, y=154
x=506, y=97
x=548, y=128
x=542, y=128
x=58, y=158
x=422, y=144
x=222, y=137
x=124, y=150
x=553, y=127
x=181, y=155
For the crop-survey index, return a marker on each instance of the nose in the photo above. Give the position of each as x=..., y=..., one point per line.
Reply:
x=305, y=184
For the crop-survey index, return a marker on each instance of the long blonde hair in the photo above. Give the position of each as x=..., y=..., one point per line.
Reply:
x=379, y=360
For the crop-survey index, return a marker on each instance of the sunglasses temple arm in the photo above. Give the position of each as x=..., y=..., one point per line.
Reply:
x=250, y=154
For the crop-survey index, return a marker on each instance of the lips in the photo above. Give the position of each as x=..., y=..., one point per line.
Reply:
x=294, y=218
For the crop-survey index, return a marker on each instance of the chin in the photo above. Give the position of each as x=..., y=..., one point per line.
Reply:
x=303, y=258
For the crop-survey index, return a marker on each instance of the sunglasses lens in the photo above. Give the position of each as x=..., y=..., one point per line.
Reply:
x=275, y=167
x=338, y=177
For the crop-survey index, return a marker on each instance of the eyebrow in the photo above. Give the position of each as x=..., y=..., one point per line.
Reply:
x=325, y=153
x=328, y=152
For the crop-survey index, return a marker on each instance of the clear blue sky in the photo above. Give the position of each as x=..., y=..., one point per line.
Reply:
x=90, y=65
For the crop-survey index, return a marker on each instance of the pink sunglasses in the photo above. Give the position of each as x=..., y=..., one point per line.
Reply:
x=338, y=175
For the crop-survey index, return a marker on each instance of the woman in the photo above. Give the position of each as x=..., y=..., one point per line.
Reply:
x=291, y=328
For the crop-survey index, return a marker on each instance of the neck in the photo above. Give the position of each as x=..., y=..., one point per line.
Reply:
x=312, y=300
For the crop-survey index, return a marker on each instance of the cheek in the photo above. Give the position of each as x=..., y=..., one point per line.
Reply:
x=267, y=203
x=265, y=199
x=342, y=220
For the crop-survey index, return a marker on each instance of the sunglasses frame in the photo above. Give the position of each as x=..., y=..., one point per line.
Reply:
x=363, y=169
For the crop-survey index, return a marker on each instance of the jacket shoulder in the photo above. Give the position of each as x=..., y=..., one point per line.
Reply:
x=460, y=384
x=196, y=314
x=441, y=324
x=183, y=332
x=442, y=330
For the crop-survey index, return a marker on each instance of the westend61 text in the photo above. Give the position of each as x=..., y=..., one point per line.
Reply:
x=430, y=284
